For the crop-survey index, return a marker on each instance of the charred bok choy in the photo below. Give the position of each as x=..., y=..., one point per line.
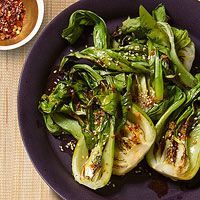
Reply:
x=111, y=94
x=176, y=152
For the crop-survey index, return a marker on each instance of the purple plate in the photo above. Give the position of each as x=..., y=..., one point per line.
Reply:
x=53, y=164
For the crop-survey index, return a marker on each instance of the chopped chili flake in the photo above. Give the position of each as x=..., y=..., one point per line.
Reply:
x=12, y=13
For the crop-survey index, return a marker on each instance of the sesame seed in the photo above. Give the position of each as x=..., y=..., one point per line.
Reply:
x=61, y=148
x=108, y=183
x=137, y=48
x=179, y=134
x=143, y=56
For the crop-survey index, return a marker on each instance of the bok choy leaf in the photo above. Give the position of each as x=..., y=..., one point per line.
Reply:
x=162, y=36
x=81, y=18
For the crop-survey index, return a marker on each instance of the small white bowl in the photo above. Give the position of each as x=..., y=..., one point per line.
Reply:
x=32, y=22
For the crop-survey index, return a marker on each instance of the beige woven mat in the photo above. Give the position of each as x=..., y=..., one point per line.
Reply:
x=18, y=179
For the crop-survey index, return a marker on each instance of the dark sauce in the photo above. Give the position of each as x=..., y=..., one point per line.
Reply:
x=55, y=76
x=159, y=187
x=156, y=183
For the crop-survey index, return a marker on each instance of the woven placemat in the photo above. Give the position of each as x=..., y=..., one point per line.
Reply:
x=18, y=178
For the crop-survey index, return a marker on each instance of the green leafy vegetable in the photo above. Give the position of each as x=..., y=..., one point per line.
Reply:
x=95, y=169
x=81, y=18
x=171, y=96
x=176, y=152
x=111, y=60
x=130, y=25
x=52, y=127
x=69, y=125
x=184, y=76
x=159, y=13
x=162, y=36
x=184, y=47
x=49, y=103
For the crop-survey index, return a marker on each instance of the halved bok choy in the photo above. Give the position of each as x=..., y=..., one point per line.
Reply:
x=94, y=168
x=133, y=141
x=176, y=152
